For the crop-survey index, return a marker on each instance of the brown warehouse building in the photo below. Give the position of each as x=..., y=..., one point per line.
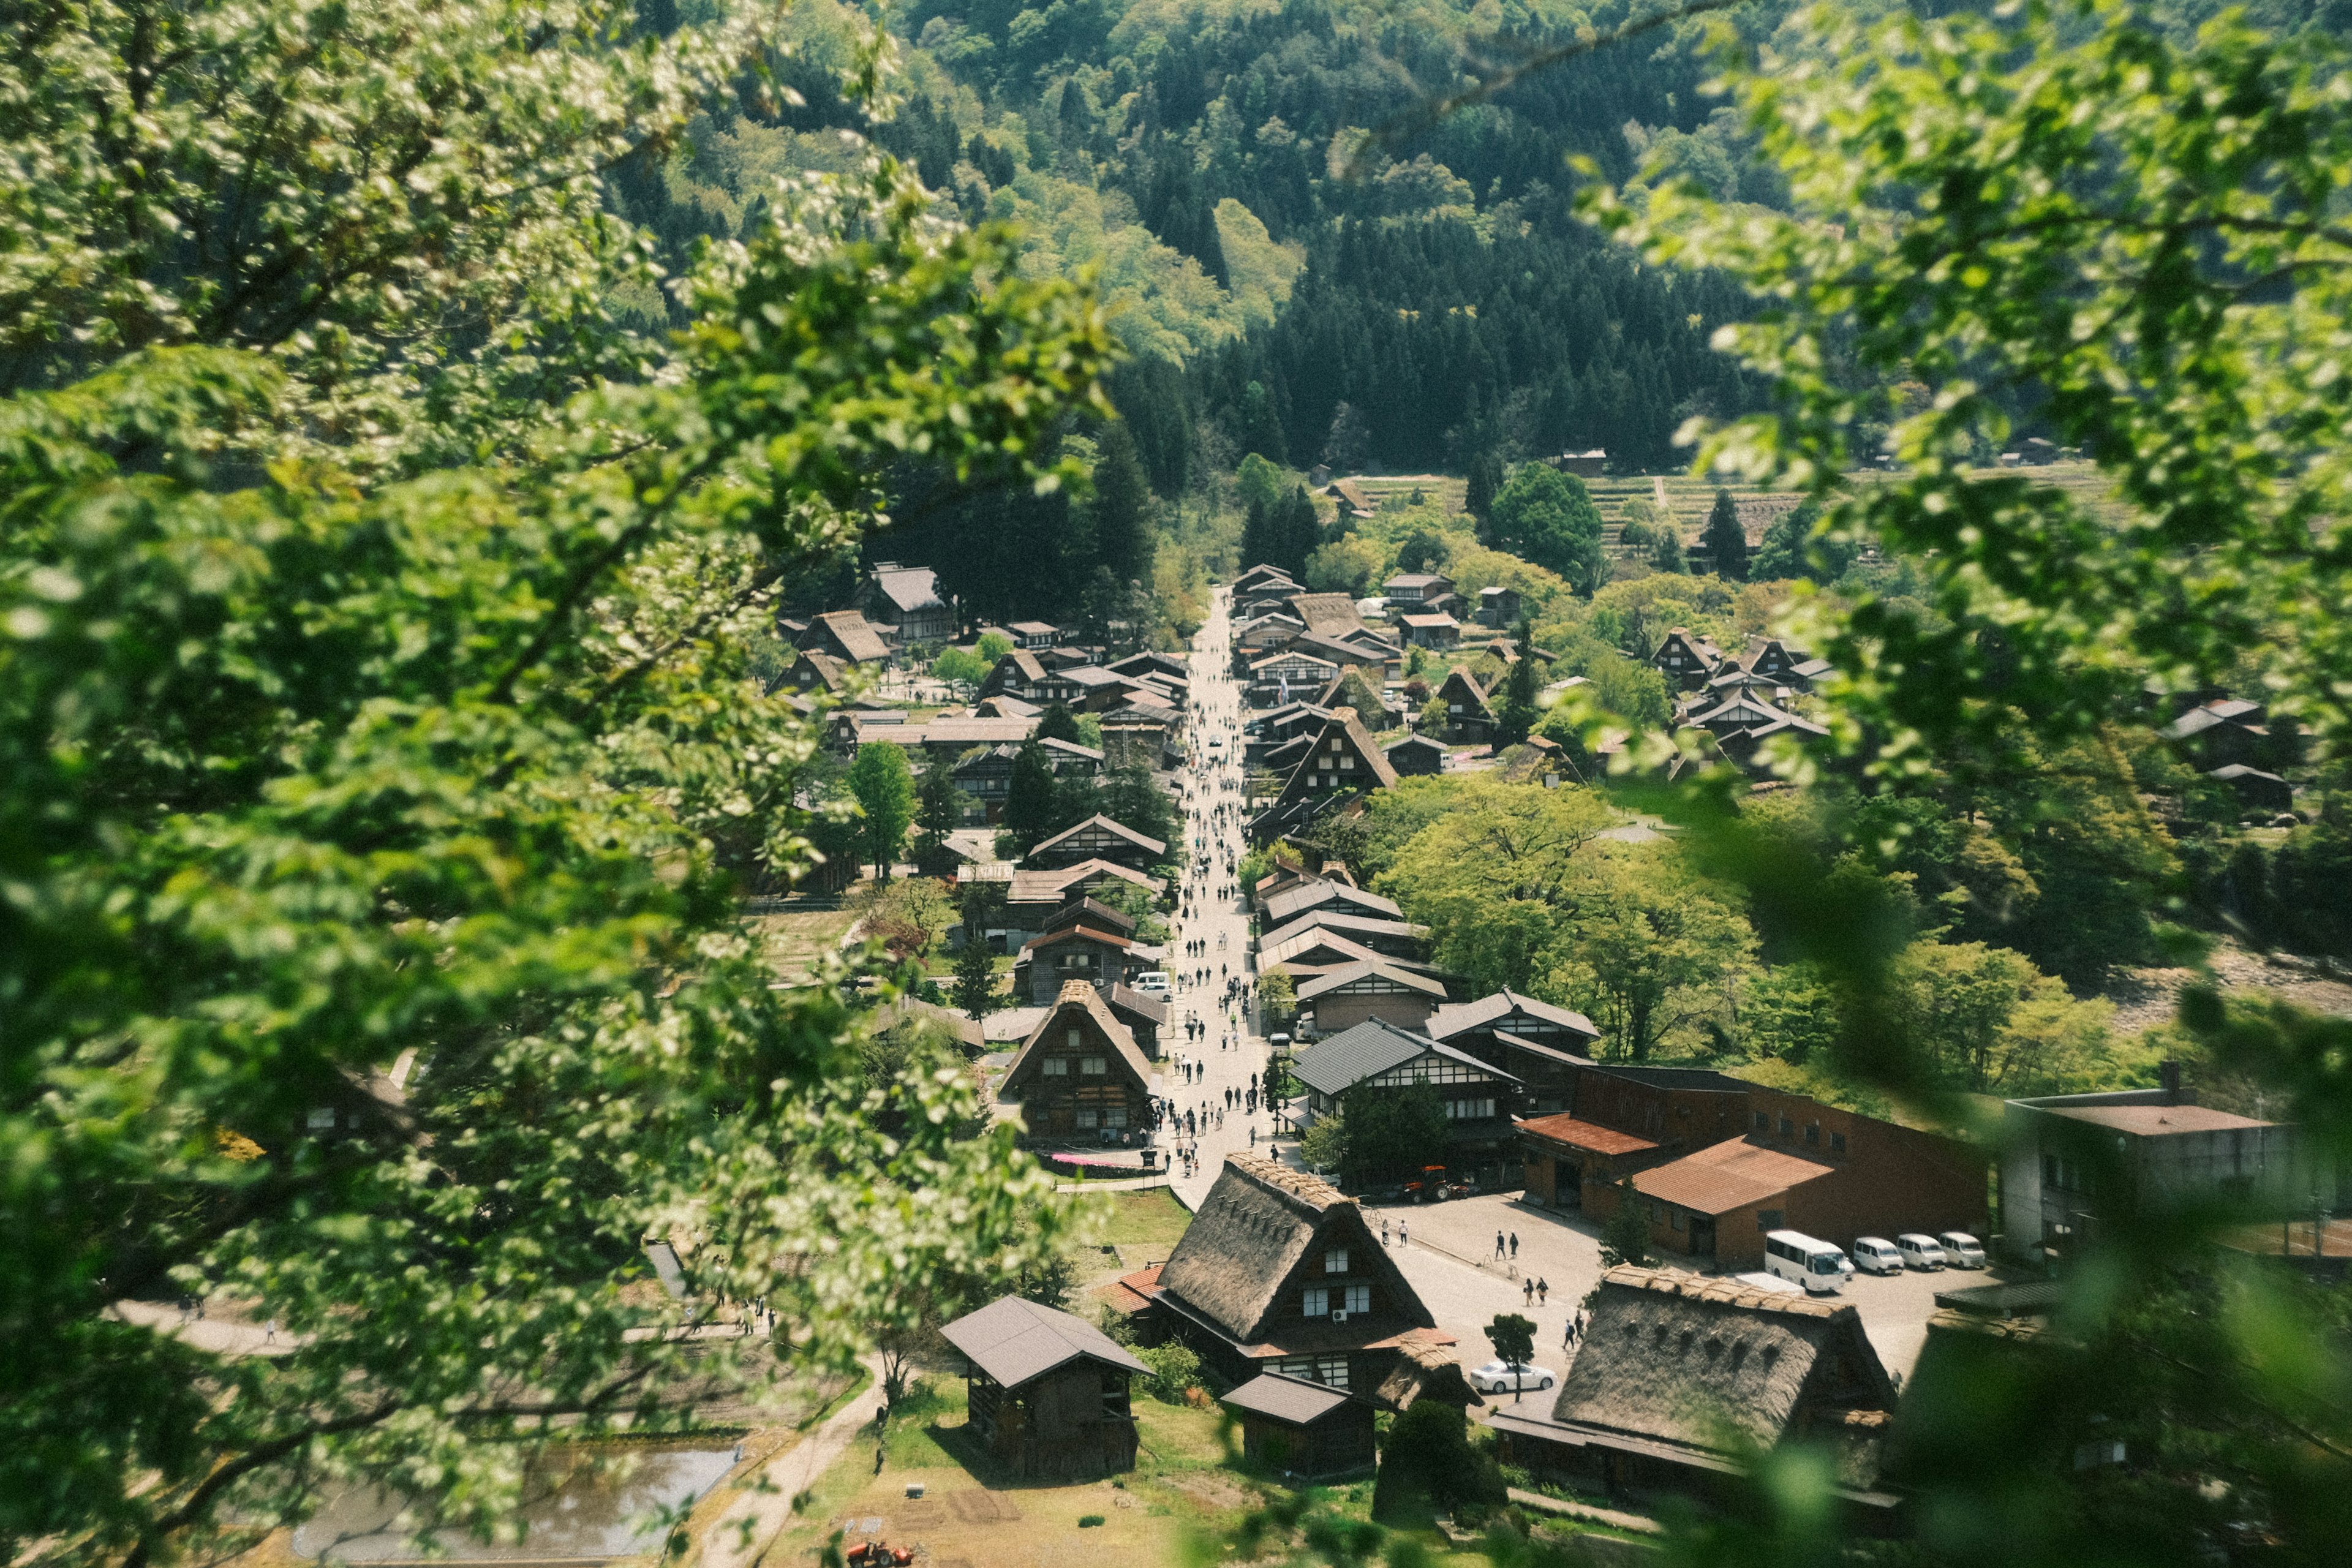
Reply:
x=1781, y=1160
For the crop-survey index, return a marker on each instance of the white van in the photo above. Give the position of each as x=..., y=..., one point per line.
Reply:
x=1814, y=1264
x=1153, y=983
x=1961, y=1250
x=1876, y=1255
x=1920, y=1251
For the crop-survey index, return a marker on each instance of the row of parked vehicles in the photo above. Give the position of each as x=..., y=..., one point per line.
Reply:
x=1823, y=1267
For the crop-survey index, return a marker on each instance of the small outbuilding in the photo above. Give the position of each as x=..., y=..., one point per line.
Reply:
x=1049, y=1392
x=1302, y=1428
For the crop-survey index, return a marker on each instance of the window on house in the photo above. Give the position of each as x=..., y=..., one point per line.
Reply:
x=1837, y=1142
x=1470, y=1110
x=1658, y=1211
x=1348, y=761
x=322, y=1118
x=1767, y=1219
x=1360, y=1298
x=1331, y=1371
x=1076, y=1040
x=1093, y=1067
x=1056, y=1067
x=1763, y=1121
x=1677, y=1218
x=1335, y=1260
x=1088, y=1118
x=1318, y=1303
x=1114, y=1393
x=1812, y=1132
x=1788, y=1127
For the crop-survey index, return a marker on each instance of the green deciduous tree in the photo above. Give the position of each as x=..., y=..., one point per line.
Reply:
x=318, y=785
x=883, y=787
x=975, y=977
x=1548, y=518
x=939, y=811
x=1393, y=1133
x=1647, y=952
x=401, y=206
x=963, y=669
x=1492, y=870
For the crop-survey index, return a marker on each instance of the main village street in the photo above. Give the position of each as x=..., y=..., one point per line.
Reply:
x=1217, y=1038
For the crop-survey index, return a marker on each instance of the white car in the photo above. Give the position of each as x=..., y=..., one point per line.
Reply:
x=1919, y=1251
x=1503, y=1377
x=1876, y=1255
x=1154, y=983
x=1216, y=743
x=1961, y=1250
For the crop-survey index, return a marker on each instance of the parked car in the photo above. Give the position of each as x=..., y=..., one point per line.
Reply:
x=1876, y=1255
x=1503, y=1376
x=1154, y=983
x=1919, y=1251
x=1961, y=1250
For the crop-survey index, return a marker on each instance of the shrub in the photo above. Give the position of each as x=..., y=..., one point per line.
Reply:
x=1174, y=1368
x=1428, y=1467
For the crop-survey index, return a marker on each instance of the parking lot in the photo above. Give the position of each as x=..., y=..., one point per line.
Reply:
x=1448, y=1255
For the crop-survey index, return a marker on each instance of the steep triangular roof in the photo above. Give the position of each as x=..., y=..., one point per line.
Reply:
x=1676, y=1358
x=1098, y=822
x=1077, y=999
x=1371, y=770
x=1259, y=1223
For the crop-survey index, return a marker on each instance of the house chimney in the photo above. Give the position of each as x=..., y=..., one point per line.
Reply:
x=2168, y=1073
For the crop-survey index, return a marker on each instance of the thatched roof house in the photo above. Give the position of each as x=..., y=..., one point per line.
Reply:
x=1279, y=1272
x=1676, y=1369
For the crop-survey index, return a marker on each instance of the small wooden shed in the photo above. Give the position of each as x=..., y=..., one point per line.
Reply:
x=1302, y=1428
x=1048, y=1391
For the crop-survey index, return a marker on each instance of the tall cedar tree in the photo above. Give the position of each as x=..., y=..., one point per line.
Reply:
x=885, y=788
x=1257, y=535
x=1725, y=540
x=1516, y=716
x=1478, y=495
x=1122, y=507
x=1058, y=723
x=1029, y=808
x=975, y=976
x=1299, y=530
x=939, y=811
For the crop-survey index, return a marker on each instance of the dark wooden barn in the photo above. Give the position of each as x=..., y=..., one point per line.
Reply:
x=1302, y=1428
x=1049, y=1396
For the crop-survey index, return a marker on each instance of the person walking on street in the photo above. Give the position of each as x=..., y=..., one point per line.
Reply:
x=1528, y=1288
x=1498, y=1244
x=1515, y=1244
x=1405, y=1233
x=1384, y=1230
x=1543, y=1293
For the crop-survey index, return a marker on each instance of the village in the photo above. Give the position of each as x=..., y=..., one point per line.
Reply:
x=1610, y=1285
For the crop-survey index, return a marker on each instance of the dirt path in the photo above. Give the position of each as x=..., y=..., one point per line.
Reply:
x=743, y=1535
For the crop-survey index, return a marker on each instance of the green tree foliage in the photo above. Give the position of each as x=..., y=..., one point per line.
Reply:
x=975, y=978
x=1493, y=871
x=1485, y=482
x=2140, y=224
x=885, y=790
x=1513, y=1337
x=1393, y=1133
x=1991, y=1023
x=1058, y=723
x=994, y=645
x=1428, y=1467
x=1031, y=811
x=1792, y=547
x=1122, y=508
x=1258, y=481
x=1276, y=995
x=1724, y=540
x=1548, y=517
x=1625, y=1238
x=433, y=263
x=1646, y=953
x=962, y=667
x=315, y=778
x=1175, y=1371
x=1324, y=1145
x=1515, y=715
x=939, y=811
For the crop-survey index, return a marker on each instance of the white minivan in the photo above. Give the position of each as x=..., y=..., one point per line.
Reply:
x=1813, y=1263
x=1876, y=1255
x=1920, y=1251
x=1961, y=1250
x=1154, y=983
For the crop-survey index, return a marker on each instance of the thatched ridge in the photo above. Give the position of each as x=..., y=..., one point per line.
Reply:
x=1259, y=1224
x=1677, y=1358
